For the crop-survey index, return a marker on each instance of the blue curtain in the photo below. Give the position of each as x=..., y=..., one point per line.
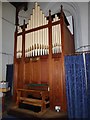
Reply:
x=76, y=86
x=88, y=80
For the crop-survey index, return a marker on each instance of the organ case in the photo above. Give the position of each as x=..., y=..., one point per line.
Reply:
x=39, y=51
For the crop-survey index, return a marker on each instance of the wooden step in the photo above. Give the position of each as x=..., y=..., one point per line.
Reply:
x=35, y=104
x=32, y=101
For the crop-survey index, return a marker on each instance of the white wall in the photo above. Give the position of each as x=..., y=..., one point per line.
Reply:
x=0, y=58
x=0, y=41
x=8, y=28
x=84, y=24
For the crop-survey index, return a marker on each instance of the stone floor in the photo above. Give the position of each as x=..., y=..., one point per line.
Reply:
x=12, y=111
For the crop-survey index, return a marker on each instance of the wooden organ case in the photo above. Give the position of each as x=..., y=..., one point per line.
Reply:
x=39, y=51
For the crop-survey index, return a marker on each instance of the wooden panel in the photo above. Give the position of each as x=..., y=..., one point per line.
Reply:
x=44, y=71
x=20, y=76
x=27, y=73
x=32, y=72
x=56, y=83
x=36, y=72
x=68, y=41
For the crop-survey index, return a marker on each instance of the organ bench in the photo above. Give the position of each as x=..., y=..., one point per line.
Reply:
x=37, y=97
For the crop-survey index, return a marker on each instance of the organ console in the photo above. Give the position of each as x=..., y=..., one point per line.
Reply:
x=47, y=39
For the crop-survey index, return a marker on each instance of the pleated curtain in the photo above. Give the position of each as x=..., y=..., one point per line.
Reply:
x=88, y=82
x=76, y=85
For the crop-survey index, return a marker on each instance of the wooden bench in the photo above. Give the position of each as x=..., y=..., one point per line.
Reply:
x=40, y=97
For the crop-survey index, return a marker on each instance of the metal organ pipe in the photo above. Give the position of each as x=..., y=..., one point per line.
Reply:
x=27, y=43
x=33, y=38
x=56, y=36
x=53, y=37
x=59, y=38
x=47, y=41
x=40, y=23
x=45, y=38
x=18, y=51
x=38, y=38
x=59, y=32
x=31, y=26
x=19, y=44
x=35, y=35
x=43, y=47
x=30, y=40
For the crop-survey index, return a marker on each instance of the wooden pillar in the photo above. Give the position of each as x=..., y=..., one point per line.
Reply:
x=23, y=54
x=15, y=65
x=50, y=34
x=23, y=42
x=62, y=29
x=50, y=58
x=64, y=105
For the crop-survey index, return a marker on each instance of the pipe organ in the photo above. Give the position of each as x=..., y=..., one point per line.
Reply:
x=36, y=43
x=39, y=52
